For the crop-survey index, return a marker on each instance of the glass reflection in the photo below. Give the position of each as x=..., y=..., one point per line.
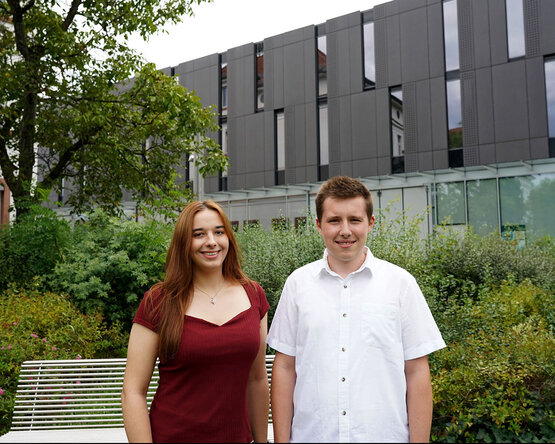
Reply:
x=454, y=114
x=322, y=66
x=324, y=142
x=550, y=94
x=450, y=203
x=369, y=55
x=259, y=76
x=515, y=28
x=397, y=122
x=482, y=205
x=223, y=86
x=451, y=35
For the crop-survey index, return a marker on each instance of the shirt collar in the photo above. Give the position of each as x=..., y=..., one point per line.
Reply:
x=368, y=264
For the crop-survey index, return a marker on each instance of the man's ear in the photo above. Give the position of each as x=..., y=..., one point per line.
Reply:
x=318, y=225
x=371, y=224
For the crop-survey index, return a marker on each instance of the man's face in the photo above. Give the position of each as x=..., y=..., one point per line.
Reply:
x=345, y=227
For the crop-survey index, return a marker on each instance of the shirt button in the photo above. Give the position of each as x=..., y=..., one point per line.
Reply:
x=344, y=285
x=343, y=412
x=342, y=379
x=344, y=315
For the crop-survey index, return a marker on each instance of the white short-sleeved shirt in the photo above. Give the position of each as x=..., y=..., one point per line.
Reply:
x=350, y=339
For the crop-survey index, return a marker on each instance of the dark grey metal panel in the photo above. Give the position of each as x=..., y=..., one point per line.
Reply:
x=363, y=112
x=438, y=103
x=435, y=40
x=481, y=31
x=240, y=80
x=269, y=178
x=410, y=118
x=236, y=145
x=471, y=156
x=469, y=114
x=335, y=169
x=425, y=161
x=512, y=151
x=423, y=116
x=293, y=67
x=532, y=27
x=365, y=167
x=414, y=45
x=276, y=82
x=253, y=180
x=413, y=4
x=211, y=184
x=253, y=154
x=510, y=101
x=344, y=61
x=384, y=166
x=300, y=174
x=343, y=22
x=381, y=52
x=311, y=134
x=299, y=155
x=346, y=168
x=484, y=105
x=345, y=131
x=236, y=181
x=269, y=142
x=411, y=162
x=440, y=159
x=334, y=116
x=290, y=141
x=383, y=127
x=394, y=68
x=547, y=19
x=269, y=78
x=539, y=148
x=498, y=31
x=355, y=57
x=487, y=154
x=537, y=106
x=466, y=35
x=310, y=84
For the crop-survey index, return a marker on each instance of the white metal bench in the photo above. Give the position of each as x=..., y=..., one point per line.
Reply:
x=75, y=401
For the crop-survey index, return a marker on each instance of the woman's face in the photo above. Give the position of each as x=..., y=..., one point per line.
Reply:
x=210, y=243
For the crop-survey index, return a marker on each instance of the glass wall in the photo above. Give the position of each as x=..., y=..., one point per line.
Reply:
x=324, y=151
x=369, y=55
x=550, y=94
x=521, y=208
x=515, y=28
x=397, y=130
x=259, y=48
x=454, y=113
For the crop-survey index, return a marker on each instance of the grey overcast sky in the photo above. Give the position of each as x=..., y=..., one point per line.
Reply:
x=224, y=24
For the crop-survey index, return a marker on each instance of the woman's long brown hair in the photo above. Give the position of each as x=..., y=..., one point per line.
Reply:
x=176, y=290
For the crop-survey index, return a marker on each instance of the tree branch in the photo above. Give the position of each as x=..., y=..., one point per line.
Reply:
x=71, y=14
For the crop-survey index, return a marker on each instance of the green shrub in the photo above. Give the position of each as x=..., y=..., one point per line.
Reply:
x=32, y=246
x=111, y=264
x=496, y=381
x=43, y=325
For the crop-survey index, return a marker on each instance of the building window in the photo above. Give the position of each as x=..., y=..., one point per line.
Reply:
x=300, y=222
x=251, y=223
x=369, y=55
x=482, y=205
x=322, y=66
x=550, y=99
x=515, y=28
x=323, y=142
x=451, y=35
x=234, y=225
x=223, y=86
x=454, y=122
x=450, y=203
x=223, y=174
x=397, y=130
x=259, y=48
x=279, y=147
x=280, y=223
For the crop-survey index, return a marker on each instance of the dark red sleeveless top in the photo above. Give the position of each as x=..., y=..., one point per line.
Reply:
x=202, y=392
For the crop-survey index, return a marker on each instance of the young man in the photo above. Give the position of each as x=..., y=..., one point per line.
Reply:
x=352, y=335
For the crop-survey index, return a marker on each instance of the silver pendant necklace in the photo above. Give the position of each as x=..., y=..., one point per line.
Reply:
x=212, y=298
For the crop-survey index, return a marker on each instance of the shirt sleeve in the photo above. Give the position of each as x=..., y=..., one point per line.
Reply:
x=283, y=330
x=146, y=313
x=421, y=336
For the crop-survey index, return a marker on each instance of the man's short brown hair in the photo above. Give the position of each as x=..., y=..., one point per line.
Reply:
x=343, y=187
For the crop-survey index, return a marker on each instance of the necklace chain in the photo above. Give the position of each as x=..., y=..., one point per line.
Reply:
x=212, y=298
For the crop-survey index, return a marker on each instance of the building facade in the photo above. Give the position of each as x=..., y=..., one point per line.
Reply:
x=444, y=108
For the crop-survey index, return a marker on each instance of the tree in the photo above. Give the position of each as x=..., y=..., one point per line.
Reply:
x=69, y=110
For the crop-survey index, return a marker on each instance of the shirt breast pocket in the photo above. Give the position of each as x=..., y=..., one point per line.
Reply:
x=379, y=325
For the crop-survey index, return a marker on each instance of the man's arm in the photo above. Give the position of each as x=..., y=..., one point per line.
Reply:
x=284, y=378
x=419, y=399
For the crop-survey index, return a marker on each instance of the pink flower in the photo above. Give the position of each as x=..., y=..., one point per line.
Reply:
x=54, y=348
x=10, y=346
x=34, y=335
x=2, y=348
x=1, y=391
x=78, y=357
x=43, y=339
x=15, y=323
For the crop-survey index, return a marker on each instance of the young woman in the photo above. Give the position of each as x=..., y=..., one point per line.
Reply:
x=207, y=322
